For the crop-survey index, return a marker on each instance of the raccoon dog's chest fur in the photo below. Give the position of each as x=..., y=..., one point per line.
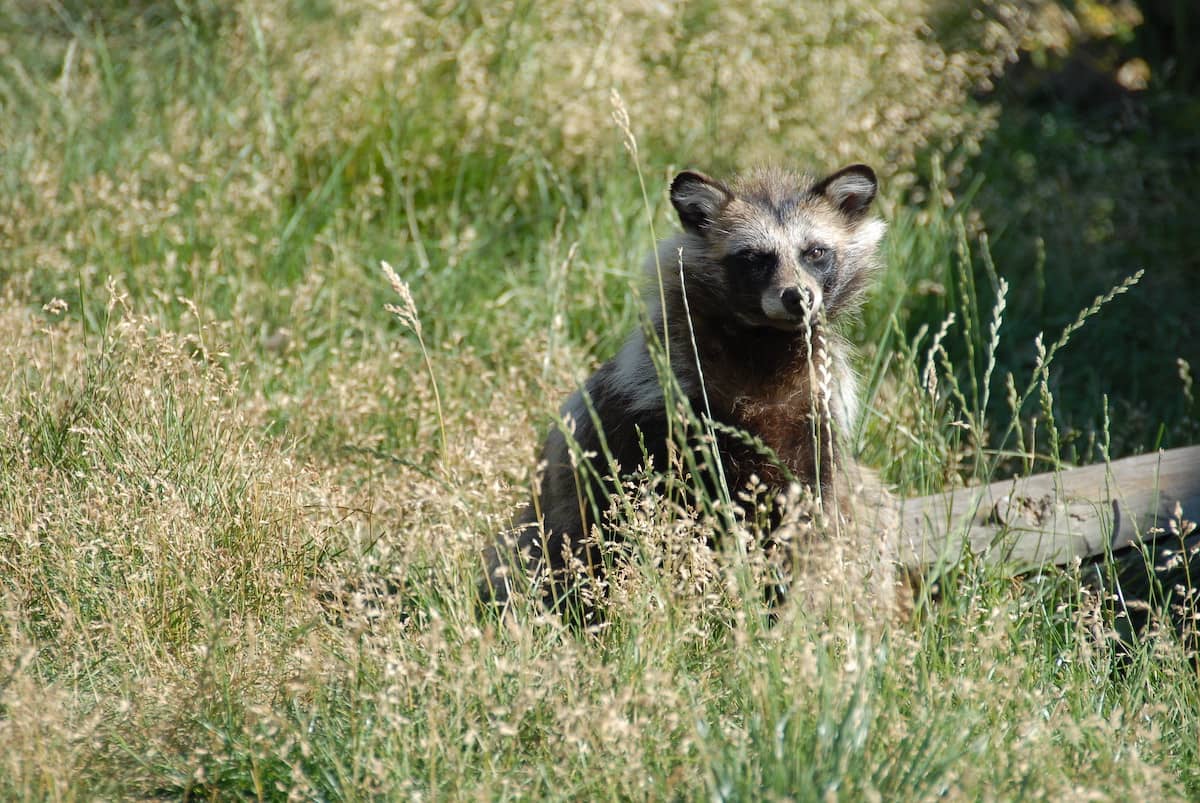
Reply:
x=744, y=300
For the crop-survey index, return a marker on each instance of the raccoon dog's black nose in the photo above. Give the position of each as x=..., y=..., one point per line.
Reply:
x=796, y=299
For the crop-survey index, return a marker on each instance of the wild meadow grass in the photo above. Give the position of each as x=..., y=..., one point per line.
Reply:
x=245, y=475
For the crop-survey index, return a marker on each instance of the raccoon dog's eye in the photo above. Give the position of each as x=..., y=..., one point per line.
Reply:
x=815, y=254
x=759, y=263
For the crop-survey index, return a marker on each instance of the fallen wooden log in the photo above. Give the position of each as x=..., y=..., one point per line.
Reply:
x=1056, y=517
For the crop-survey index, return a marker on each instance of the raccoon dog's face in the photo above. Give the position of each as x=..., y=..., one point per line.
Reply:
x=777, y=249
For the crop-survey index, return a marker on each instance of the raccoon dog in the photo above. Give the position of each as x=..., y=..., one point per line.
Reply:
x=743, y=300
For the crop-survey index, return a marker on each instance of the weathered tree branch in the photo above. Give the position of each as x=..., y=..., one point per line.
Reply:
x=1056, y=517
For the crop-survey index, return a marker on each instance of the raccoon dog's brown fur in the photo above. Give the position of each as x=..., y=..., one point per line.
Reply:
x=770, y=261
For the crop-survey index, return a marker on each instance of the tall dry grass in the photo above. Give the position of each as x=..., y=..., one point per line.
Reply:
x=241, y=506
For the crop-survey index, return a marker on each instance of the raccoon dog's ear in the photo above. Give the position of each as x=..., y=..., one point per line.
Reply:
x=850, y=189
x=698, y=198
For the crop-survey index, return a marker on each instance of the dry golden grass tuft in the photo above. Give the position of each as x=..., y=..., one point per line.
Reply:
x=833, y=82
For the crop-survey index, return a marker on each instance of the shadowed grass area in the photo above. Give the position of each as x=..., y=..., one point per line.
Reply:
x=241, y=503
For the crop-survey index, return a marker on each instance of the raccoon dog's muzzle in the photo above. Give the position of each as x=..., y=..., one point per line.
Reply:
x=792, y=306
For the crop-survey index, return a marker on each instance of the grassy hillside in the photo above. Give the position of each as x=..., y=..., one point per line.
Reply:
x=241, y=502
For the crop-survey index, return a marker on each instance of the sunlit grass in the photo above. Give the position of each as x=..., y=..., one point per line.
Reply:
x=241, y=504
